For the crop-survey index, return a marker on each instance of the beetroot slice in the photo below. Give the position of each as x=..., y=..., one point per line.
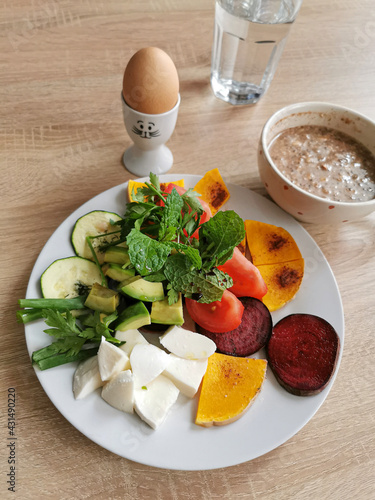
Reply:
x=302, y=353
x=252, y=334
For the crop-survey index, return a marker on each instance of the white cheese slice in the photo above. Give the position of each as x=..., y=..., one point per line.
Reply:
x=187, y=344
x=119, y=392
x=111, y=360
x=86, y=378
x=186, y=374
x=153, y=402
x=131, y=338
x=147, y=362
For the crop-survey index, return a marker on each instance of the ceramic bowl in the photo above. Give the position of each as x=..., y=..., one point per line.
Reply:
x=305, y=206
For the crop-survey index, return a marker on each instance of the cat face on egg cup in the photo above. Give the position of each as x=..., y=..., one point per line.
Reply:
x=149, y=134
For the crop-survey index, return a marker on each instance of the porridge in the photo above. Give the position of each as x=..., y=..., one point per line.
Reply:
x=325, y=162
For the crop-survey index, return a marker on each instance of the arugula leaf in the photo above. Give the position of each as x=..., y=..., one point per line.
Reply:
x=219, y=236
x=146, y=254
x=184, y=278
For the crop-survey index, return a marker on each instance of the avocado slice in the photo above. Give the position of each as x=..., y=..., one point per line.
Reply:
x=102, y=299
x=117, y=255
x=165, y=314
x=133, y=317
x=117, y=272
x=138, y=288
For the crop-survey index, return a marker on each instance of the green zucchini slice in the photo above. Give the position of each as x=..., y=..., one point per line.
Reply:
x=69, y=277
x=93, y=224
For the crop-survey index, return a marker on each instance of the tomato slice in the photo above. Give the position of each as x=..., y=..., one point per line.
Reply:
x=220, y=316
x=180, y=190
x=168, y=189
x=247, y=280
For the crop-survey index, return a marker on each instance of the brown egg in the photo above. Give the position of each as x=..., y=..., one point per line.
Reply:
x=151, y=82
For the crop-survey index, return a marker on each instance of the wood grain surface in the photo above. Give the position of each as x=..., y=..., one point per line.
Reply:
x=61, y=142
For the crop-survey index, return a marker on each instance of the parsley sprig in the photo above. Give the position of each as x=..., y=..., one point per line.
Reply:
x=74, y=340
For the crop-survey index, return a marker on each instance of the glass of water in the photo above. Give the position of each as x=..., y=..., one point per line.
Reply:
x=249, y=38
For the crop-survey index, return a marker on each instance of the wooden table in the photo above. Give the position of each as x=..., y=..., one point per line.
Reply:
x=62, y=138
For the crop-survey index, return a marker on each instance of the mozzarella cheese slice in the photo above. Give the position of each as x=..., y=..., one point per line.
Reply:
x=86, y=378
x=131, y=338
x=111, y=360
x=147, y=362
x=187, y=344
x=153, y=402
x=119, y=392
x=186, y=374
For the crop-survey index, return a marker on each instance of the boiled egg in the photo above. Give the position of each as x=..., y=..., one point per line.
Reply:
x=151, y=83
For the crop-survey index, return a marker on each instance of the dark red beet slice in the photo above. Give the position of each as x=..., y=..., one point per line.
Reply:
x=302, y=353
x=252, y=334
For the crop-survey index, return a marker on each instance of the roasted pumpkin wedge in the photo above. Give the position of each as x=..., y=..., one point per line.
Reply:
x=269, y=244
x=213, y=190
x=230, y=385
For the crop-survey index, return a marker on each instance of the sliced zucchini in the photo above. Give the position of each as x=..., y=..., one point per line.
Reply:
x=69, y=277
x=93, y=224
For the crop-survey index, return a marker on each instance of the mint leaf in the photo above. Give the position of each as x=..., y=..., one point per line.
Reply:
x=184, y=278
x=171, y=216
x=172, y=295
x=146, y=254
x=155, y=277
x=218, y=237
x=192, y=253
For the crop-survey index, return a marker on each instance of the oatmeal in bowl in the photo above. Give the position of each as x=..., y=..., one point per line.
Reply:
x=317, y=162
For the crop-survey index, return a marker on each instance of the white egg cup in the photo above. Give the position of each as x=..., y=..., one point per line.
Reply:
x=149, y=134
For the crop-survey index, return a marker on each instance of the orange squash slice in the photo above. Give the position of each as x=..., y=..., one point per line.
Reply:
x=229, y=387
x=135, y=185
x=213, y=190
x=277, y=256
x=270, y=244
x=283, y=281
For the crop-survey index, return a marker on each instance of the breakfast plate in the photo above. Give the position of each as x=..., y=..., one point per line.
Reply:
x=275, y=416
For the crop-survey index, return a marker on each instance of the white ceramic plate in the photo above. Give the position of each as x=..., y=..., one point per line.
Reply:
x=274, y=417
